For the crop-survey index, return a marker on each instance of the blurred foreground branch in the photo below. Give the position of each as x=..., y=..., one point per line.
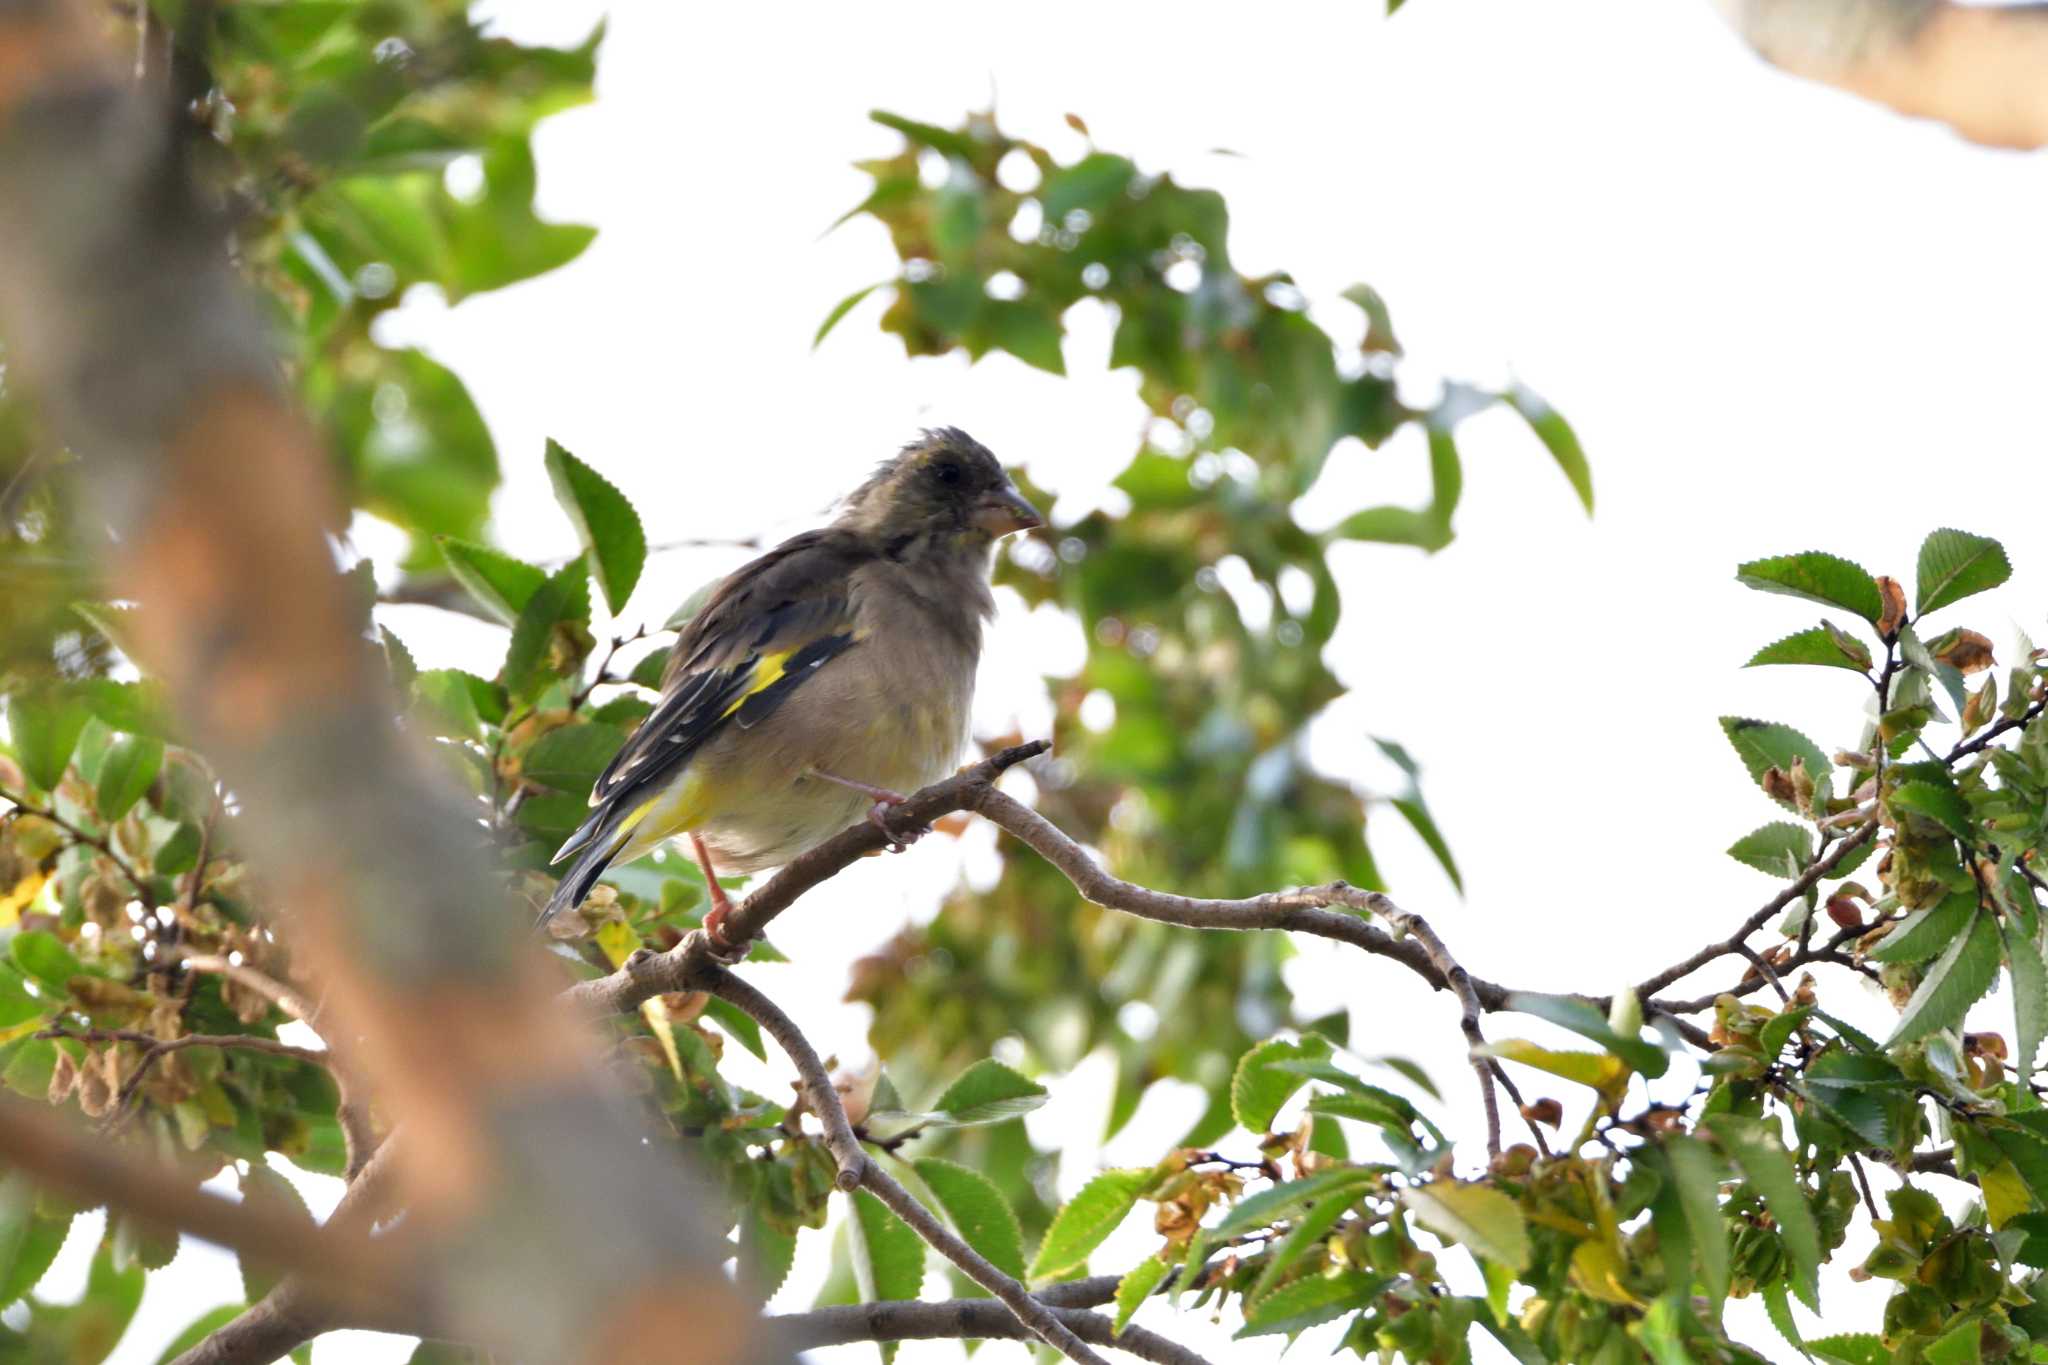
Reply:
x=1981, y=69
x=122, y=310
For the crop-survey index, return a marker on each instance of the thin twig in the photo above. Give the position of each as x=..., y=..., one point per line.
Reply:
x=1794, y=889
x=271, y=989
x=858, y=1170
x=965, y=1318
x=81, y=835
x=155, y=1048
x=1765, y=970
x=1414, y=926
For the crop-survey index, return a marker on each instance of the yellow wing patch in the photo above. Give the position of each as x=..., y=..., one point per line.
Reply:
x=767, y=672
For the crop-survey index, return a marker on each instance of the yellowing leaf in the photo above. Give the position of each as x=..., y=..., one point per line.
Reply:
x=19, y=899
x=2005, y=1193
x=1599, y=1070
x=618, y=941
x=1479, y=1216
x=1597, y=1270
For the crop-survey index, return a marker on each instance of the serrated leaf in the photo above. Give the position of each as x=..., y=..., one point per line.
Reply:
x=1817, y=577
x=399, y=661
x=1258, y=1088
x=131, y=765
x=887, y=1257
x=978, y=1211
x=565, y=597
x=1924, y=933
x=1850, y=1348
x=1086, y=1219
x=1476, y=1216
x=1760, y=1154
x=1780, y=848
x=1954, y=565
x=1415, y=811
x=500, y=584
x=1558, y=438
x=1778, y=1307
x=199, y=1329
x=1696, y=1171
x=1816, y=646
x=1956, y=981
x=2029, y=996
x=1582, y=1019
x=1284, y=1200
x=987, y=1092
x=1136, y=1286
x=1306, y=1302
x=607, y=524
x=263, y=1188
x=570, y=757
x=1763, y=745
x=1937, y=802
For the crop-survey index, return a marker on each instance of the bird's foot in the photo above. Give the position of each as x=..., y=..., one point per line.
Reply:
x=899, y=837
x=886, y=802
x=720, y=943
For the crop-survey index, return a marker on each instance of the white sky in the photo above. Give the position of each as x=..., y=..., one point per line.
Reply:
x=1779, y=319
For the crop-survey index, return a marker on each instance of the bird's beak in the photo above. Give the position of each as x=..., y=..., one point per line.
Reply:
x=1006, y=510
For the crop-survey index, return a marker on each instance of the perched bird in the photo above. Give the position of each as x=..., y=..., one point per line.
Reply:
x=816, y=683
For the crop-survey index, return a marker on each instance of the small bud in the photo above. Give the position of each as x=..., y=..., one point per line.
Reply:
x=95, y=1091
x=1892, y=598
x=1979, y=706
x=1545, y=1111
x=1778, y=786
x=1515, y=1161
x=1985, y=1045
x=1844, y=912
x=1804, y=994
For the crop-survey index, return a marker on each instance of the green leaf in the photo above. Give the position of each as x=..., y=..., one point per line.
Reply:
x=1850, y=1348
x=1558, y=438
x=1817, y=646
x=1582, y=1019
x=1136, y=1286
x=1956, y=981
x=264, y=1188
x=36, y=1251
x=609, y=527
x=45, y=727
x=564, y=598
x=978, y=1211
x=1339, y=1185
x=133, y=708
x=2029, y=995
x=1305, y=1236
x=888, y=1258
x=840, y=310
x=737, y=1024
x=1086, y=1219
x=43, y=956
x=1817, y=577
x=1780, y=848
x=1309, y=1301
x=1258, y=1088
x=453, y=702
x=1412, y=808
x=570, y=757
x=1478, y=1216
x=501, y=584
x=1954, y=565
x=399, y=660
x=1027, y=331
x=126, y=773
x=1936, y=801
x=1778, y=1307
x=1696, y=1171
x=988, y=1092
x=1757, y=1150
x=1960, y=1345
x=1763, y=745
x=1925, y=933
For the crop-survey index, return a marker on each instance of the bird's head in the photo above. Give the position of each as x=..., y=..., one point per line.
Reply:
x=944, y=485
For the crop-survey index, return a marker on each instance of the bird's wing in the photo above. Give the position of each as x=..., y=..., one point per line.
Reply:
x=765, y=631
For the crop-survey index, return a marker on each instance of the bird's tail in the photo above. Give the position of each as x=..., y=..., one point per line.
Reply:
x=599, y=846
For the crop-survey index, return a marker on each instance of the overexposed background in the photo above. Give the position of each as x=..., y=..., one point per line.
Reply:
x=1779, y=319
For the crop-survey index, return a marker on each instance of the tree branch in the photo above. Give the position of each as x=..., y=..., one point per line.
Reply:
x=1981, y=70
x=966, y=1318
x=858, y=1170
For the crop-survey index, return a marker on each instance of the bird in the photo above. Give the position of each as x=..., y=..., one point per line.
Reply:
x=817, y=683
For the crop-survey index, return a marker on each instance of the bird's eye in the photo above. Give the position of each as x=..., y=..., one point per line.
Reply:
x=948, y=472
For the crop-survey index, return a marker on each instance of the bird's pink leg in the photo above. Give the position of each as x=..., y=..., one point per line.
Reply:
x=722, y=947
x=878, y=814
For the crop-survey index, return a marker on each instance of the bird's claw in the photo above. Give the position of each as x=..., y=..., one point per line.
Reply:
x=899, y=839
x=717, y=945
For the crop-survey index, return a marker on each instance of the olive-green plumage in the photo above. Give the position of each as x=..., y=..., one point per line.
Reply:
x=849, y=651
